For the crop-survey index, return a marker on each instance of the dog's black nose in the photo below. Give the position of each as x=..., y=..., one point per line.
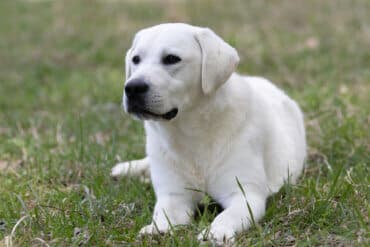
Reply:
x=136, y=87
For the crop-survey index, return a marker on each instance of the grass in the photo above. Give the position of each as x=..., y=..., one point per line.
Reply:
x=62, y=128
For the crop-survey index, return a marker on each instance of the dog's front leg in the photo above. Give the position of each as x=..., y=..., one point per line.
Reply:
x=236, y=217
x=170, y=210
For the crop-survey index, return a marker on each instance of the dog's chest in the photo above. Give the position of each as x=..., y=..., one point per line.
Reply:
x=195, y=159
x=195, y=153
x=196, y=164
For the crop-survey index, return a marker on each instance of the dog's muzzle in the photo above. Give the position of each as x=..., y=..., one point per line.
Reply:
x=136, y=92
x=136, y=88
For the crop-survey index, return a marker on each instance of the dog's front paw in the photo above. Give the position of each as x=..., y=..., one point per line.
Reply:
x=148, y=230
x=153, y=229
x=218, y=235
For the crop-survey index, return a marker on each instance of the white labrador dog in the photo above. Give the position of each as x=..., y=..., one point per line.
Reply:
x=208, y=129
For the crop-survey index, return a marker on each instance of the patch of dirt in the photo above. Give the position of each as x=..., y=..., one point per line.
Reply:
x=6, y=165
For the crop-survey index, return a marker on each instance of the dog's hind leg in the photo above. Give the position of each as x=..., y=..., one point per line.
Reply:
x=134, y=168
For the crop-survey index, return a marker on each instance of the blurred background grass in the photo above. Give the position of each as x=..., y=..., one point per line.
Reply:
x=62, y=128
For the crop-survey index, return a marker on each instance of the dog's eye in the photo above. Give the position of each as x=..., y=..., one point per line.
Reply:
x=136, y=59
x=171, y=59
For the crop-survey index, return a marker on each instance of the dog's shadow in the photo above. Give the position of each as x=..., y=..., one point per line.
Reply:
x=207, y=209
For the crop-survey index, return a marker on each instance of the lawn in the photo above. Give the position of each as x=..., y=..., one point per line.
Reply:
x=62, y=127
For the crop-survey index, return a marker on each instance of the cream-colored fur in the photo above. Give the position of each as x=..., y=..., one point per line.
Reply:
x=228, y=127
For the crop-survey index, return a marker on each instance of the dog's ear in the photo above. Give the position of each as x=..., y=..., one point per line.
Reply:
x=128, y=56
x=219, y=60
x=127, y=64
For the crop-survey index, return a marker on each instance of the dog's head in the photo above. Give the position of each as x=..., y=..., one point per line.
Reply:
x=170, y=66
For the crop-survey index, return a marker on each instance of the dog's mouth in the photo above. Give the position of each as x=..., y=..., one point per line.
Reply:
x=171, y=114
x=146, y=114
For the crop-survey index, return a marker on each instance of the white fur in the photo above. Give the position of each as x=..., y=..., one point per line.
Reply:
x=229, y=127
